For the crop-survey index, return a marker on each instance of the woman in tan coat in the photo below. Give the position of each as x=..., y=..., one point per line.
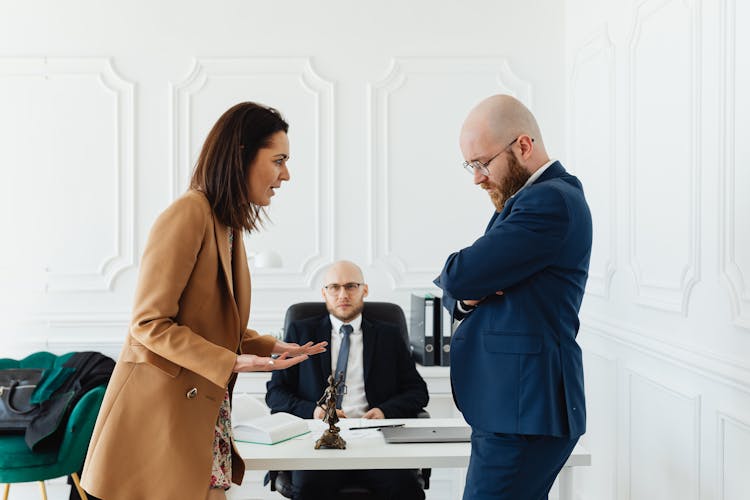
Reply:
x=163, y=430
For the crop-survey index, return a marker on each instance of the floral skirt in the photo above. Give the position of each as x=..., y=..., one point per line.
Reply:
x=221, y=471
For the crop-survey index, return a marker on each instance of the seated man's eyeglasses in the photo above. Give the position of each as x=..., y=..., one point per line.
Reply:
x=334, y=288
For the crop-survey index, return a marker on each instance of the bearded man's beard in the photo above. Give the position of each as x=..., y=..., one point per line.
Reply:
x=355, y=311
x=514, y=180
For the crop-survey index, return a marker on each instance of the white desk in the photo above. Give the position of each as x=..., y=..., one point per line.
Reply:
x=366, y=449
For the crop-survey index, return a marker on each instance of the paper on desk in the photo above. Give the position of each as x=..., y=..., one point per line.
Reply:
x=246, y=407
x=361, y=433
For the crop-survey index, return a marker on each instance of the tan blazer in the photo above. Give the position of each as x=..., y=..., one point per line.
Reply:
x=154, y=435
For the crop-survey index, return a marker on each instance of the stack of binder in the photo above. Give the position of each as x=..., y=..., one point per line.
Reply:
x=430, y=330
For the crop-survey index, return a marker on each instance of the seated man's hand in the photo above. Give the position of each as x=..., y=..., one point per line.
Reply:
x=374, y=413
x=320, y=412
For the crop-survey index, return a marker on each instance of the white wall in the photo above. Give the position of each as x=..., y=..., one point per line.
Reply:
x=657, y=123
x=105, y=106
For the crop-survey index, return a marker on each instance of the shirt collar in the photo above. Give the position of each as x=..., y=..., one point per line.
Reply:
x=531, y=180
x=336, y=323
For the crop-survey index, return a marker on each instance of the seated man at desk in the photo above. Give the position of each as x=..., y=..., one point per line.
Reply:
x=381, y=379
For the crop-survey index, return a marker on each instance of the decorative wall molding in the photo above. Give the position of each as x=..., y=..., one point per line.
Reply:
x=596, y=55
x=733, y=277
x=606, y=358
x=121, y=92
x=121, y=321
x=380, y=95
x=730, y=372
x=312, y=86
x=724, y=422
x=603, y=397
x=692, y=400
x=110, y=347
x=268, y=320
x=62, y=332
x=81, y=321
x=671, y=294
x=73, y=332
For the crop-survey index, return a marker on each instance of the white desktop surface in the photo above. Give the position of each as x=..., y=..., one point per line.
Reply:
x=367, y=449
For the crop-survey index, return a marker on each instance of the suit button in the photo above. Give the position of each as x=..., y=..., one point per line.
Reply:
x=192, y=393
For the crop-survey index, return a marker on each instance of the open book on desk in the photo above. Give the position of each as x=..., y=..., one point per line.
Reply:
x=269, y=429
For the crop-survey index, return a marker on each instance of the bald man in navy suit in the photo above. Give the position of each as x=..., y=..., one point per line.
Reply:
x=516, y=368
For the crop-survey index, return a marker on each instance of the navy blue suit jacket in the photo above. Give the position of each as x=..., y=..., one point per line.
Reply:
x=392, y=382
x=515, y=364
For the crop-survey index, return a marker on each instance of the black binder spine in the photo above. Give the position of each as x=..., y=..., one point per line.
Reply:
x=446, y=332
x=422, y=329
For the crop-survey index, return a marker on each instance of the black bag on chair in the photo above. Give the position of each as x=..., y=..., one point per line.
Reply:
x=16, y=387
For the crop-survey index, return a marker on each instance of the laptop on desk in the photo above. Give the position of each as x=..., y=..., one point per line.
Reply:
x=427, y=434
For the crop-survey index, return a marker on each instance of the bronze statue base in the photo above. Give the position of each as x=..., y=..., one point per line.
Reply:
x=331, y=440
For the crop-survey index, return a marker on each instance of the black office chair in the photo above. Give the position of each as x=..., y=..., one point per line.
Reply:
x=281, y=481
x=379, y=311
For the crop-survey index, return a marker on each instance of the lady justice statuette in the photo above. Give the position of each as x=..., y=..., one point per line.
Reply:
x=331, y=438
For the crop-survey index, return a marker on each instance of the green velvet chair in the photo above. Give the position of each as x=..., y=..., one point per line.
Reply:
x=18, y=464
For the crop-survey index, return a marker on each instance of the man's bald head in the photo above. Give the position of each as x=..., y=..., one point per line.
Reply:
x=501, y=141
x=346, y=268
x=498, y=120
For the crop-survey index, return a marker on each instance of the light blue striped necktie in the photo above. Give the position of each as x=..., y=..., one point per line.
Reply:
x=342, y=360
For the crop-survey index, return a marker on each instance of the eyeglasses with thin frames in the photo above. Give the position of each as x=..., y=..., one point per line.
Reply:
x=335, y=288
x=477, y=165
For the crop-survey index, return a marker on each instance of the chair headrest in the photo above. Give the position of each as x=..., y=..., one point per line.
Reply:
x=378, y=311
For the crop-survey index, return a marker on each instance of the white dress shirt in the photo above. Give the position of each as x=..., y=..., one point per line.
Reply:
x=354, y=403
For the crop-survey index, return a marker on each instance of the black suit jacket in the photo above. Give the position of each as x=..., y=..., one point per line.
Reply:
x=391, y=379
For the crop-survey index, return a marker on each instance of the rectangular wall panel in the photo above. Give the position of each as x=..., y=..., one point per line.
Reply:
x=664, y=442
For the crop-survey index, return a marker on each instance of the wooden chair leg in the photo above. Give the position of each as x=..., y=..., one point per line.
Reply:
x=77, y=483
x=7, y=489
x=44, y=490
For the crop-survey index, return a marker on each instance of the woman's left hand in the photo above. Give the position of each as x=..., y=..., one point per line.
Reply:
x=253, y=363
x=293, y=349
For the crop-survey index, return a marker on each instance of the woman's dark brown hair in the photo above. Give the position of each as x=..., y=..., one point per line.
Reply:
x=221, y=171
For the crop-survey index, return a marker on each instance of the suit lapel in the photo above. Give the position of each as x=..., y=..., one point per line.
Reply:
x=241, y=280
x=222, y=244
x=324, y=334
x=554, y=170
x=492, y=220
x=507, y=207
x=369, y=340
x=221, y=233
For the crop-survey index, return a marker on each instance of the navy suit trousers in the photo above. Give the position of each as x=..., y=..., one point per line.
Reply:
x=514, y=466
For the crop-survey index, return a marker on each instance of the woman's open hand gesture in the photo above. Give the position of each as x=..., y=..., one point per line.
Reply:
x=293, y=349
x=253, y=363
